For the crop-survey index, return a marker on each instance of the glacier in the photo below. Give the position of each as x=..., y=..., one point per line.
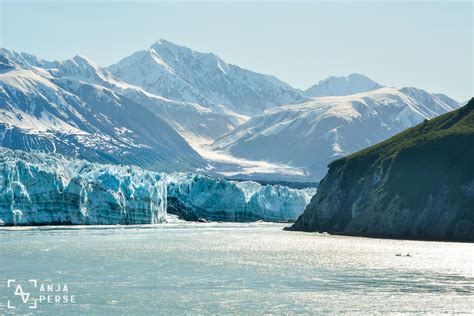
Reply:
x=194, y=197
x=49, y=189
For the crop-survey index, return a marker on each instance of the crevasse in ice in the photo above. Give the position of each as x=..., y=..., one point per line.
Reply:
x=37, y=188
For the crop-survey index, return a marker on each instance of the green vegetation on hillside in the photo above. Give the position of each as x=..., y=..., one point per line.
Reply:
x=420, y=159
x=418, y=184
x=455, y=123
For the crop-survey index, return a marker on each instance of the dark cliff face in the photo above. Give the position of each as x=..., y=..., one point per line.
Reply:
x=418, y=184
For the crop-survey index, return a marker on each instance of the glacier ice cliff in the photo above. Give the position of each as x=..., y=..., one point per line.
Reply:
x=46, y=189
x=192, y=196
x=38, y=188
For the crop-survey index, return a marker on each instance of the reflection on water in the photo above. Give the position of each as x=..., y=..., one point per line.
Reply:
x=236, y=268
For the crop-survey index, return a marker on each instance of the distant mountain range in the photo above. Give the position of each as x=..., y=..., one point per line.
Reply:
x=418, y=184
x=312, y=133
x=158, y=106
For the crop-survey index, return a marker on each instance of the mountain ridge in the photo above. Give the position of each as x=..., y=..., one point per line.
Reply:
x=75, y=118
x=344, y=85
x=207, y=119
x=183, y=74
x=329, y=127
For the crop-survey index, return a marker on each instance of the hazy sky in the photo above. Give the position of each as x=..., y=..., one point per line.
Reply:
x=424, y=44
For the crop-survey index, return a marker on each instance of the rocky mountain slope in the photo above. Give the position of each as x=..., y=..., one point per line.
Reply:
x=312, y=133
x=179, y=73
x=191, y=120
x=418, y=184
x=58, y=114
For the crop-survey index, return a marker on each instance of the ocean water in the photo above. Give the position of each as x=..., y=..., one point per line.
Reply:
x=228, y=269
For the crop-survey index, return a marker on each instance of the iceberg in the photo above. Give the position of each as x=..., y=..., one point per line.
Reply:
x=48, y=189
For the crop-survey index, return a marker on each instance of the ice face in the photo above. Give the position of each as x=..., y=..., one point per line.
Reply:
x=222, y=200
x=45, y=189
x=38, y=188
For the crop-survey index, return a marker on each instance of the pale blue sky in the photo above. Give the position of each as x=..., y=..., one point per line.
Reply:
x=423, y=44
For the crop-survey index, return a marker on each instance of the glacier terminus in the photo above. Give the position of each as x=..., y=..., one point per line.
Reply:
x=47, y=189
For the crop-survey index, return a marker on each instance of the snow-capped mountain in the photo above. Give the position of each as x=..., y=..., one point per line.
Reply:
x=139, y=110
x=312, y=133
x=64, y=115
x=191, y=120
x=179, y=73
x=339, y=86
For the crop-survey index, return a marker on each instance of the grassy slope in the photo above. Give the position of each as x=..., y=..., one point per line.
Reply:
x=459, y=122
x=420, y=158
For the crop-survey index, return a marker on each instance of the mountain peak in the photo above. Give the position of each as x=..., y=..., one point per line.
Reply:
x=80, y=59
x=161, y=44
x=79, y=63
x=345, y=85
x=83, y=63
x=78, y=67
x=5, y=59
x=11, y=57
x=358, y=76
x=180, y=73
x=165, y=47
x=162, y=41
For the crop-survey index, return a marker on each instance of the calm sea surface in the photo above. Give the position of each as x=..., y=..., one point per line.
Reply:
x=229, y=268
